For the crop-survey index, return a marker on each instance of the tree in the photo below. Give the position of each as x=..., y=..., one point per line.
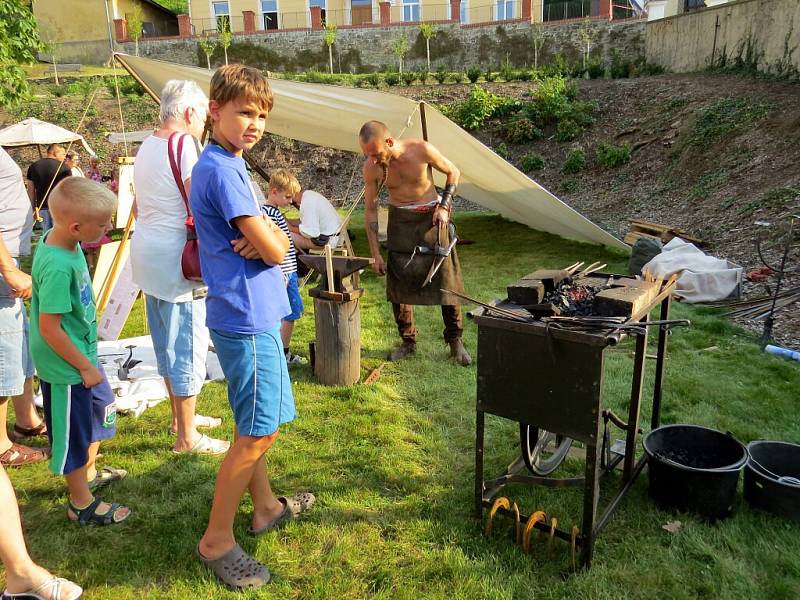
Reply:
x=225, y=37
x=208, y=45
x=538, y=36
x=329, y=35
x=428, y=31
x=135, y=20
x=585, y=34
x=19, y=43
x=400, y=48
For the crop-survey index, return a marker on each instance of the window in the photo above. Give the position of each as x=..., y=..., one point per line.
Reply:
x=410, y=11
x=222, y=15
x=505, y=10
x=361, y=12
x=464, y=17
x=269, y=13
x=321, y=4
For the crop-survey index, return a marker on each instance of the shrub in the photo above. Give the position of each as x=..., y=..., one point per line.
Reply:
x=581, y=112
x=316, y=77
x=473, y=112
x=507, y=73
x=532, y=162
x=502, y=151
x=473, y=74
x=441, y=74
x=409, y=77
x=552, y=101
x=567, y=130
x=568, y=186
x=57, y=90
x=392, y=78
x=613, y=156
x=459, y=77
x=489, y=76
x=596, y=68
x=521, y=130
x=525, y=75
x=373, y=79
x=575, y=162
x=423, y=75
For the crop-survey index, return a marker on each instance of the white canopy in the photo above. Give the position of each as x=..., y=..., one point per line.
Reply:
x=129, y=137
x=32, y=132
x=331, y=116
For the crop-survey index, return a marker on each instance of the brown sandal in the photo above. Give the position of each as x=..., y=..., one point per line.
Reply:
x=23, y=433
x=18, y=455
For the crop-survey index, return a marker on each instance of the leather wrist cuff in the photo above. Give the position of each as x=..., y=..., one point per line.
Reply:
x=447, y=196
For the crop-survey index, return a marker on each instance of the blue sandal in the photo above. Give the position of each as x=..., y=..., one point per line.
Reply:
x=88, y=515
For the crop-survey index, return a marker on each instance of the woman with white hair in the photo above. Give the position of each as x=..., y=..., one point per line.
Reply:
x=175, y=313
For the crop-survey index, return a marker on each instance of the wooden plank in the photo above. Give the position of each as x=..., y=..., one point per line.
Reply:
x=526, y=291
x=623, y=301
x=549, y=277
x=632, y=236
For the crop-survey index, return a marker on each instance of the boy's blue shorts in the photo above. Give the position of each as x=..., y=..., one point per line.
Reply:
x=76, y=416
x=259, y=389
x=295, y=299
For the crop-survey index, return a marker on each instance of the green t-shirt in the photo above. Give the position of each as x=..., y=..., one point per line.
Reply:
x=61, y=285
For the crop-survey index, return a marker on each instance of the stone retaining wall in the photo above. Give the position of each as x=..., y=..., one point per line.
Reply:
x=369, y=49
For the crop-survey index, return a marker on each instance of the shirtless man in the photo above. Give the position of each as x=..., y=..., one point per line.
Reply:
x=415, y=212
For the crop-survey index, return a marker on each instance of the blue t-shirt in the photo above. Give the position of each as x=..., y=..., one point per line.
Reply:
x=244, y=296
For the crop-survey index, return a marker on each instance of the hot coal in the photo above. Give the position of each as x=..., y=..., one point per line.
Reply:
x=573, y=300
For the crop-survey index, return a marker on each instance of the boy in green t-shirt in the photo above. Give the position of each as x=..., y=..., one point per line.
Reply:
x=78, y=401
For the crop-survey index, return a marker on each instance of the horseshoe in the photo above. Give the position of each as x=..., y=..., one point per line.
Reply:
x=538, y=516
x=517, y=527
x=501, y=502
x=551, y=543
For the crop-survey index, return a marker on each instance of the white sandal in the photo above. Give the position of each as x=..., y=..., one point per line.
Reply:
x=49, y=590
x=207, y=422
x=207, y=445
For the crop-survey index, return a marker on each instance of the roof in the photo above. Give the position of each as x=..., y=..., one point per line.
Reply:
x=331, y=116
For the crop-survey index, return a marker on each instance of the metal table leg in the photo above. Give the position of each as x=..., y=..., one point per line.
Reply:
x=479, y=427
x=661, y=357
x=635, y=406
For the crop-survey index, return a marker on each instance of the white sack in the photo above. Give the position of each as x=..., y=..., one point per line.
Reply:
x=702, y=278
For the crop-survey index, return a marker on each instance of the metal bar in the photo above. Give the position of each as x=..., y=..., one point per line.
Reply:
x=591, y=496
x=479, y=432
x=635, y=405
x=612, y=506
x=545, y=527
x=661, y=359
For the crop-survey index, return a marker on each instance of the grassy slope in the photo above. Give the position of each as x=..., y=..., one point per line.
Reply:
x=392, y=466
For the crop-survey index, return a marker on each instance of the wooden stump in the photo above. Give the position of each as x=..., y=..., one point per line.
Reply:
x=338, y=346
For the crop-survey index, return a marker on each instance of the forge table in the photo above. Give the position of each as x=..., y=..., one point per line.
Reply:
x=552, y=379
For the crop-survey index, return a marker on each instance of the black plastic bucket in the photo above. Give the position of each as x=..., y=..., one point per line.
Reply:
x=765, y=479
x=694, y=468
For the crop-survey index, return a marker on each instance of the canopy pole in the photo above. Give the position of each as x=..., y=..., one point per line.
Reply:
x=424, y=123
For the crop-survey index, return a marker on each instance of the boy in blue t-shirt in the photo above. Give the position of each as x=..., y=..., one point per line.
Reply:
x=239, y=253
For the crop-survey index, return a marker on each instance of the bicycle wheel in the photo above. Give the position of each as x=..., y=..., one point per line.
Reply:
x=542, y=451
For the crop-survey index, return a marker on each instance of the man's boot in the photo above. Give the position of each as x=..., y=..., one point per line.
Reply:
x=403, y=350
x=459, y=353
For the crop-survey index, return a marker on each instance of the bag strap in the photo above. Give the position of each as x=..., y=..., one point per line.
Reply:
x=174, y=164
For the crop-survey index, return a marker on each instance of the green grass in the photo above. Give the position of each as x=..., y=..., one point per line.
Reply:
x=392, y=467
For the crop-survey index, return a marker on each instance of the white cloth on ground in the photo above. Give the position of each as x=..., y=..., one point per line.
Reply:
x=160, y=235
x=318, y=217
x=702, y=278
x=144, y=387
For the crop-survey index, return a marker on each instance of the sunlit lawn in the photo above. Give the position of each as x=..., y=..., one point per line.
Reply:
x=392, y=465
